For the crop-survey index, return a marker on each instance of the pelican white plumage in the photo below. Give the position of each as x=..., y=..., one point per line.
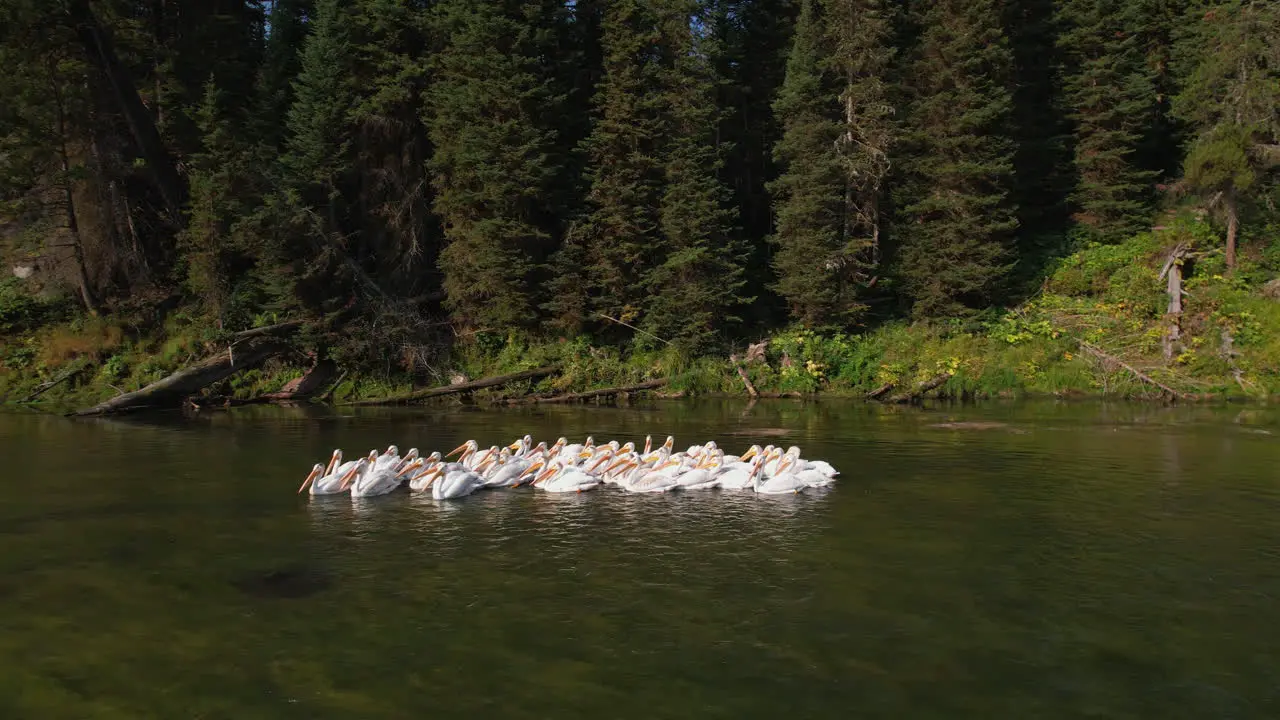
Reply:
x=372, y=481
x=561, y=478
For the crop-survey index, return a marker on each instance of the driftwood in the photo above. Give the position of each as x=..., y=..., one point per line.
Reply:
x=459, y=388
x=45, y=387
x=1105, y=357
x=192, y=379
x=932, y=383
x=880, y=391
x=328, y=395
x=751, y=389
x=573, y=397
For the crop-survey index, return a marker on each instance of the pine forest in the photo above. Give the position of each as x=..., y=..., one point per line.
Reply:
x=363, y=197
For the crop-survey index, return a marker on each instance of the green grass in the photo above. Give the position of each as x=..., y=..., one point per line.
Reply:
x=1110, y=296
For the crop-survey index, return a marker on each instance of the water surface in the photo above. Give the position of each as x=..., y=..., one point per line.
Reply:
x=1025, y=560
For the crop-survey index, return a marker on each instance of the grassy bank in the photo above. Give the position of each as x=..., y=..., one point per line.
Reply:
x=1097, y=320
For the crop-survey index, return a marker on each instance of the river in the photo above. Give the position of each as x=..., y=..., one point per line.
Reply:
x=1014, y=560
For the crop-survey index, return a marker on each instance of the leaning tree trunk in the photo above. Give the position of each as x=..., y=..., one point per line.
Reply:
x=99, y=50
x=73, y=225
x=1233, y=226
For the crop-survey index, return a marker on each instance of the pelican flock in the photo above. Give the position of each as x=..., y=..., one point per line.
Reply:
x=570, y=467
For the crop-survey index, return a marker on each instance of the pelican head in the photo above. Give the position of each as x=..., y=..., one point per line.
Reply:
x=355, y=472
x=334, y=461
x=392, y=450
x=317, y=471
x=469, y=446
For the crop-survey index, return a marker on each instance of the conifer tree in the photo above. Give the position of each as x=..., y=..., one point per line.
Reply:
x=606, y=253
x=1111, y=96
x=493, y=162
x=696, y=286
x=219, y=179
x=957, y=218
x=1231, y=102
x=311, y=211
x=837, y=125
x=281, y=58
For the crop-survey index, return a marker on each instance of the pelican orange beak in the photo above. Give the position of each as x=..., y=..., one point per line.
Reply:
x=315, y=473
x=349, y=477
x=334, y=461
x=436, y=474
x=545, y=474
x=599, y=462
x=537, y=465
x=409, y=468
x=750, y=453
x=514, y=446
x=585, y=454
x=461, y=448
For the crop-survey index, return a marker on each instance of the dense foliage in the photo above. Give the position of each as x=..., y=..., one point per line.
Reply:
x=412, y=175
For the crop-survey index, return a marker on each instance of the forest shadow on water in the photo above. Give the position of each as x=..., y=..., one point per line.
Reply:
x=1035, y=559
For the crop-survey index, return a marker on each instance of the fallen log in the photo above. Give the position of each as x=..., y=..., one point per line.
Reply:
x=190, y=380
x=283, y=328
x=751, y=389
x=1105, y=357
x=932, y=383
x=880, y=391
x=459, y=388
x=573, y=397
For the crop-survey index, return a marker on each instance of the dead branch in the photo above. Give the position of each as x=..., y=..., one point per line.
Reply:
x=1098, y=353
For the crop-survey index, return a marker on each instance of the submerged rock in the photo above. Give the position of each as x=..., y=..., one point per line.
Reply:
x=289, y=582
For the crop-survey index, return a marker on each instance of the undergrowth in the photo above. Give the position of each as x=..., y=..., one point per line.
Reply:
x=1099, y=310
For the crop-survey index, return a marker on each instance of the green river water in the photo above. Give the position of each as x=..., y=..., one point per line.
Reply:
x=1058, y=560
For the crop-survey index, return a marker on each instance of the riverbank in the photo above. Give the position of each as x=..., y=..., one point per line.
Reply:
x=1099, y=326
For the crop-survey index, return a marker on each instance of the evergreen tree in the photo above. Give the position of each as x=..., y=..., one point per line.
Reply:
x=753, y=37
x=1043, y=160
x=1111, y=95
x=835, y=152
x=493, y=161
x=220, y=175
x=697, y=285
x=286, y=23
x=1231, y=101
x=606, y=253
x=958, y=217
x=307, y=221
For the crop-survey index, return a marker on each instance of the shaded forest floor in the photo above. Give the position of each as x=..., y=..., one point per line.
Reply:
x=1097, y=326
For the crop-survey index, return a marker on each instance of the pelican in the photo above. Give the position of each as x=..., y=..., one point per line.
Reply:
x=645, y=479
x=331, y=483
x=372, y=481
x=739, y=475
x=783, y=480
x=507, y=470
x=456, y=484
x=561, y=478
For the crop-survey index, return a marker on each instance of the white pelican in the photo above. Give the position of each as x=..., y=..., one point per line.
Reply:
x=456, y=484
x=641, y=478
x=372, y=481
x=783, y=480
x=561, y=478
x=739, y=475
x=330, y=484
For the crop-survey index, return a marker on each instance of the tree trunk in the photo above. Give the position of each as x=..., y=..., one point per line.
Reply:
x=1233, y=226
x=73, y=225
x=192, y=379
x=100, y=52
